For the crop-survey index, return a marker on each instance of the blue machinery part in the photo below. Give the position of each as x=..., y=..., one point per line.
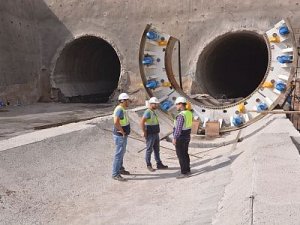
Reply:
x=165, y=105
x=285, y=59
x=284, y=30
x=280, y=86
x=152, y=35
x=237, y=120
x=262, y=106
x=148, y=60
x=152, y=84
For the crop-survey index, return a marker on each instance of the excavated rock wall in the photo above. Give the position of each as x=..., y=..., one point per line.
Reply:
x=35, y=32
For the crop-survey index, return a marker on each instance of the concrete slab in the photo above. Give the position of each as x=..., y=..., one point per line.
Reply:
x=64, y=178
x=17, y=120
x=265, y=179
x=277, y=180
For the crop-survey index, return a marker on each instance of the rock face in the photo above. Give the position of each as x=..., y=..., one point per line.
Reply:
x=27, y=44
x=35, y=33
x=20, y=52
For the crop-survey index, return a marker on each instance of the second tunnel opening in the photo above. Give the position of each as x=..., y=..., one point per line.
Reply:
x=87, y=70
x=233, y=65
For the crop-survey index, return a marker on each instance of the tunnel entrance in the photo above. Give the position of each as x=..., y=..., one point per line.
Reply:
x=87, y=70
x=232, y=66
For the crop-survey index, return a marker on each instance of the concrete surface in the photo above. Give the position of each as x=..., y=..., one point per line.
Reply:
x=64, y=177
x=17, y=120
x=48, y=182
x=267, y=170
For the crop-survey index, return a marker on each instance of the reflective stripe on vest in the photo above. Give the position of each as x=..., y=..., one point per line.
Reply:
x=153, y=120
x=188, y=119
x=125, y=121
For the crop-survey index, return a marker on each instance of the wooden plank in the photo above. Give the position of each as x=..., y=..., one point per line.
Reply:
x=195, y=126
x=212, y=129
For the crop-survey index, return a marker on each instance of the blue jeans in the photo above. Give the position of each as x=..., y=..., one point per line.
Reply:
x=152, y=143
x=120, y=150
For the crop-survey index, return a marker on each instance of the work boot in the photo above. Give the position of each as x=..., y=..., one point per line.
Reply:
x=150, y=168
x=124, y=172
x=161, y=166
x=119, y=178
x=181, y=176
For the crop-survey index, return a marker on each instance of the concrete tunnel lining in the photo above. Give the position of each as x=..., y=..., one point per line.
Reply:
x=87, y=70
x=233, y=65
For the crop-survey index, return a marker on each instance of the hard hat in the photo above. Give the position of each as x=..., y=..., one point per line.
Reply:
x=180, y=100
x=153, y=100
x=123, y=96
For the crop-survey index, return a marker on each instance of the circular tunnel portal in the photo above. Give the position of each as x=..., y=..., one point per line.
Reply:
x=87, y=70
x=233, y=65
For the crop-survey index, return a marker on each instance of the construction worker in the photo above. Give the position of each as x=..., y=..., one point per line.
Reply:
x=151, y=129
x=120, y=132
x=182, y=136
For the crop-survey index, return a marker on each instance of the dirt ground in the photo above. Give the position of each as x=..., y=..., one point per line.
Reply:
x=62, y=175
x=67, y=180
x=16, y=120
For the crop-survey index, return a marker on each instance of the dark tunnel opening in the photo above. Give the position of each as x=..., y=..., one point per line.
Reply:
x=233, y=65
x=87, y=70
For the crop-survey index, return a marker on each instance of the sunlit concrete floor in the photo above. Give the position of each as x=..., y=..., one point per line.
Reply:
x=66, y=179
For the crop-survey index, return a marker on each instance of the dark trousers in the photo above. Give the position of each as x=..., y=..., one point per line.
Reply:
x=182, y=148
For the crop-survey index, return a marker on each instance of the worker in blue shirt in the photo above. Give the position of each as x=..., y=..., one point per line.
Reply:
x=182, y=136
x=121, y=131
x=151, y=129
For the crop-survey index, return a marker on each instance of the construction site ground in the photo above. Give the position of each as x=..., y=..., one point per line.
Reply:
x=16, y=120
x=62, y=175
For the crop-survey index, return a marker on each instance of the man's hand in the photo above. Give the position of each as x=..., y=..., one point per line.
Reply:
x=174, y=141
x=118, y=126
x=144, y=134
x=122, y=132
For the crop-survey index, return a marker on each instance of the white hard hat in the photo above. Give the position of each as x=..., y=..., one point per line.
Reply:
x=123, y=96
x=153, y=100
x=180, y=100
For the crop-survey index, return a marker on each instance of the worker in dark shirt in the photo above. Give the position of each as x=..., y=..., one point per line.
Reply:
x=121, y=131
x=182, y=136
x=151, y=129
